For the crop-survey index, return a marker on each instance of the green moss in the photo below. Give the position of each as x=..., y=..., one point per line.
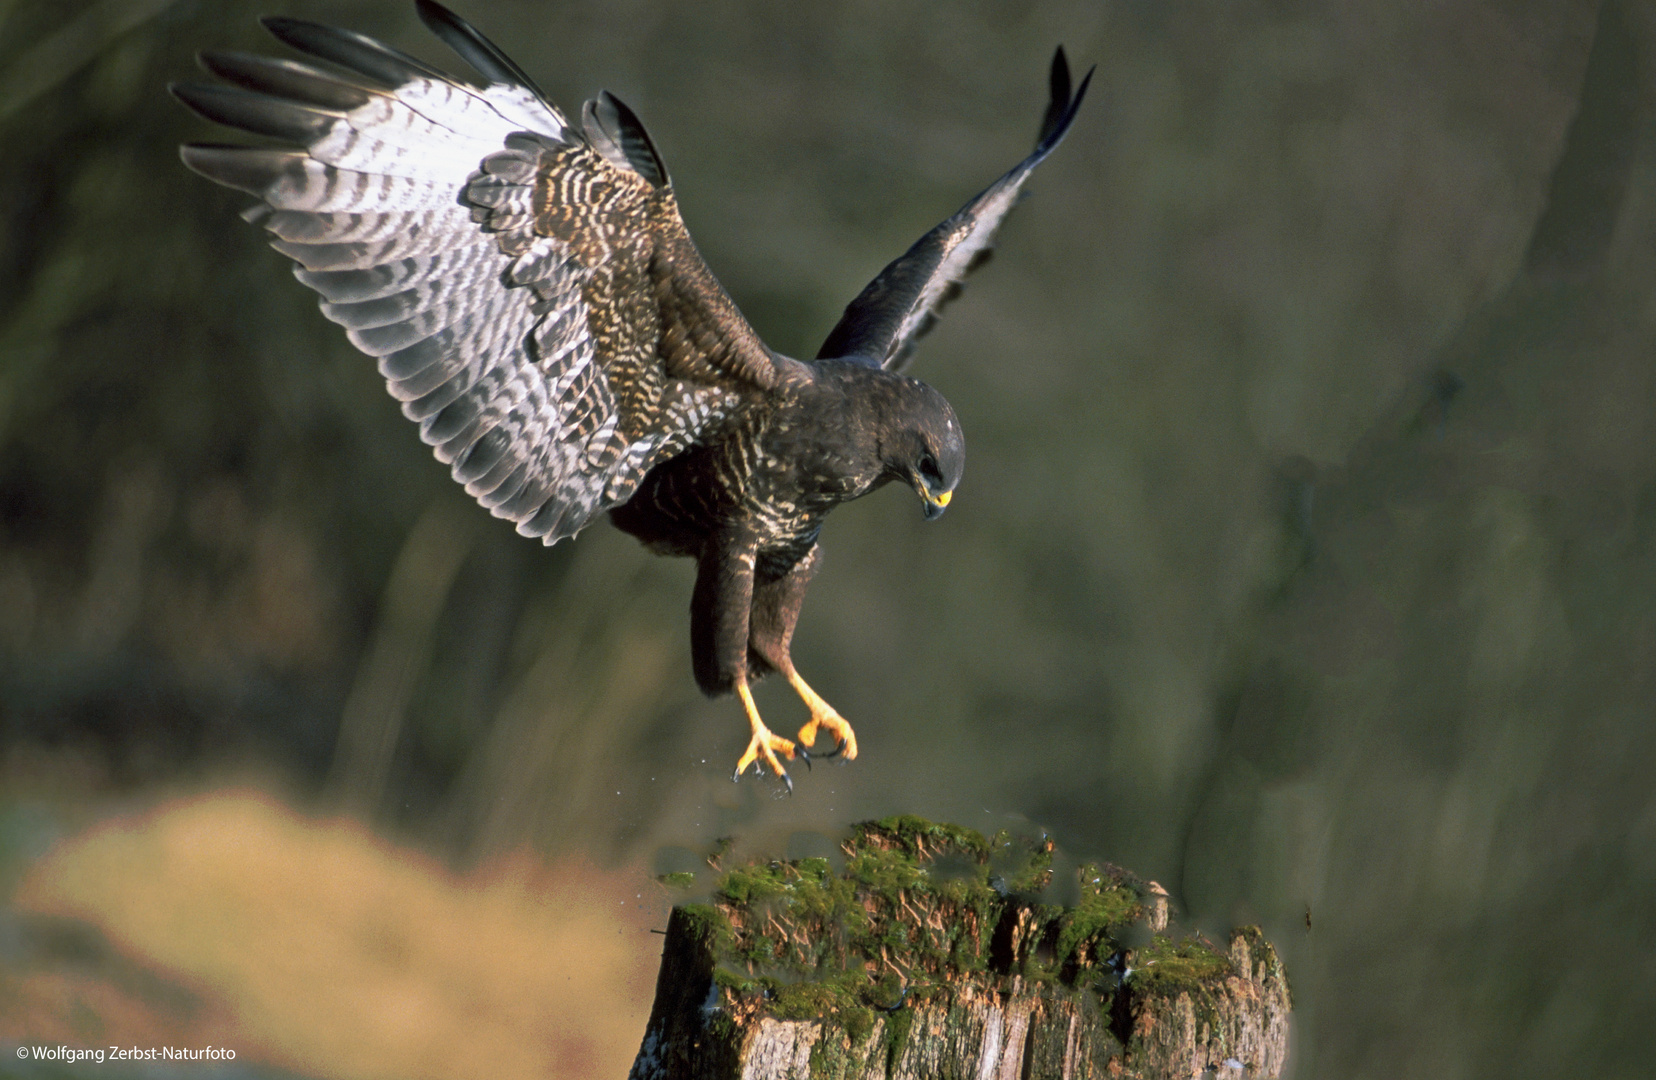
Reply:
x=683, y=879
x=1022, y=866
x=837, y=1001
x=710, y=925
x=1193, y=969
x=1106, y=904
x=885, y=870
x=737, y=983
x=833, y=1055
x=827, y=1056
x=919, y=838
x=968, y=953
x=816, y=869
x=1169, y=967
x=896, y=1037
x=915, y=907
x=758, y=881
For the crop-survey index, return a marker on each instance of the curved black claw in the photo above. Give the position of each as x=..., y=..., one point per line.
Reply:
x=805, y=756
x=736, y=777
x=839, y=748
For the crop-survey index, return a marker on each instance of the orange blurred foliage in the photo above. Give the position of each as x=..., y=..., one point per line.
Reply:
x=318, y=947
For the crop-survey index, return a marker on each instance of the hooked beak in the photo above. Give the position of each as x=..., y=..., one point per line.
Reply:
x=935, y=504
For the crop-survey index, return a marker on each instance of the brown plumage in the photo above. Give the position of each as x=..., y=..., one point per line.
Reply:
x=536, y=304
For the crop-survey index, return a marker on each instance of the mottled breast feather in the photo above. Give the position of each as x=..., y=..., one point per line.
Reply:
x=528, y=287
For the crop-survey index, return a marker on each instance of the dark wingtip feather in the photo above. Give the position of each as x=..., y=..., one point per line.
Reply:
x=472, y=47
x=614, y=129
x=247, y=168
x=1055, y=124
x=286, y=79
x=356, y=52
x=640, y=148
x=886, y=318
x=1059, y=97
x=258, y=114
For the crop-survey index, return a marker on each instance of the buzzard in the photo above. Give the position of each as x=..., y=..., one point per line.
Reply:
x=537, y=306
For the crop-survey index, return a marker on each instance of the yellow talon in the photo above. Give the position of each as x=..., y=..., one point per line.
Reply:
x=764, y=742
x=823, y=715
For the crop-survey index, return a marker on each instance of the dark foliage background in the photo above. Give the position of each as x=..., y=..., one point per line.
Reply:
x=1304, y=560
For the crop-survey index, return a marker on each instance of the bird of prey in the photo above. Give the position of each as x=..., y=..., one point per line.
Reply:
x=537, y=306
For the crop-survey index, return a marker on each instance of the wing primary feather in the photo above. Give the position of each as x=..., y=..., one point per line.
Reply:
x=1054, y=130
x=257, y=113
x=408, y=200
x=434, y=402
x=504, y=490
x=475, y=49
x=1059, y=103
x=640, y=149
x=528, y=499
x=246, y=168
x=545, y=522
x=450, y=422
x=356, y=52
x=287, y=79
x=408, y=362
x=482, y=456
x=616, y=132
x=881, y=325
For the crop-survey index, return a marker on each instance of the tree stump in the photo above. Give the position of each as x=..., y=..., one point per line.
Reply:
x=931, y=955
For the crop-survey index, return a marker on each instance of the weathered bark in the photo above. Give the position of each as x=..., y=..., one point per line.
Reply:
x=931, y=956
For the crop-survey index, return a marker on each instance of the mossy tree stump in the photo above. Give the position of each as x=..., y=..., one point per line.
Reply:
x=930, y=955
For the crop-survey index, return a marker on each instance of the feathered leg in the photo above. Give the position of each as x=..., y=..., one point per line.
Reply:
x=776, y=605
x=719, y=610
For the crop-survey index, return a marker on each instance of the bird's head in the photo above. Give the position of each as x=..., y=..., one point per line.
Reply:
x=929, y=451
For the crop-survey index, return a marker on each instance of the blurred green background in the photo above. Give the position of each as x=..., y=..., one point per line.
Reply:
x=1305, y=559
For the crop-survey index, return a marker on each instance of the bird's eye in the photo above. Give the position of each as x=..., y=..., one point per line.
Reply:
x=929, y=470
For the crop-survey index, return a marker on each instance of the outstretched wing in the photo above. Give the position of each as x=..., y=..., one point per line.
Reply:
x=883, y=323
x=527, y=286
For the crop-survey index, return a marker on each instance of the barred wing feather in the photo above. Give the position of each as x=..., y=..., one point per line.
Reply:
x=526, y=286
